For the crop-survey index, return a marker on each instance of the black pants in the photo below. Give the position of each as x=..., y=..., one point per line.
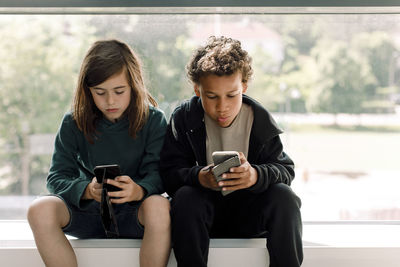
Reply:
x=199, y=214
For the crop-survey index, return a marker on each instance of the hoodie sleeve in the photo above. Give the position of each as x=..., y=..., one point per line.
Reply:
x=64, y=178
x=273, y=166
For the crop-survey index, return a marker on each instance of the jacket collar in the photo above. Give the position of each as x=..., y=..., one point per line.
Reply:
x=264, y=126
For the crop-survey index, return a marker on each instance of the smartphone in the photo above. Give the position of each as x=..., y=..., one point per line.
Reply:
x=107, y=172
x=223, y=161
x=220, y=156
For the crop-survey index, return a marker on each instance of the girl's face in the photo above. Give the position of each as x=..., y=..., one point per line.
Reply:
x=113, y=96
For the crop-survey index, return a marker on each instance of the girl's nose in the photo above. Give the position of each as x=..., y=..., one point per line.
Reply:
x=110, y=99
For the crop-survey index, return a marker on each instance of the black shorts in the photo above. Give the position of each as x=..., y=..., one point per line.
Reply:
x=87, y=223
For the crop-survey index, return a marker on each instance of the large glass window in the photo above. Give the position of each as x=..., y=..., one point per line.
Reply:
x=331, y=81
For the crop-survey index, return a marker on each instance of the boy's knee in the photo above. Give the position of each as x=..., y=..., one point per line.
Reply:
x=283, y=195
x=281, y=201
x=190, y=204
x=188, y=196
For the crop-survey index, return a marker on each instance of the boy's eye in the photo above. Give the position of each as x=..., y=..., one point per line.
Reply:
x=211, y=96
x=233, y=94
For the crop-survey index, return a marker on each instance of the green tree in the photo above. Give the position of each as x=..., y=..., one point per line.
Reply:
x=162, y=46
x=265, y=84
x=382, y=56
x=344, y=75
x=37, y=79
x=297, y=72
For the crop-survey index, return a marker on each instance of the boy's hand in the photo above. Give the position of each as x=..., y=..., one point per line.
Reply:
x=207, y=179
x=130, y=191
x=93, y=191
x=241, y=177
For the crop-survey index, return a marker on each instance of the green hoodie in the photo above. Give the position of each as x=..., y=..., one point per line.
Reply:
x=74, y=158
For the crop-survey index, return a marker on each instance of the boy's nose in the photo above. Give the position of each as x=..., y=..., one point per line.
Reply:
x=221, y=105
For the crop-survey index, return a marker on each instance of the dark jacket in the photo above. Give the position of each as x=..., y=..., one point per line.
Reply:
x=184, y=151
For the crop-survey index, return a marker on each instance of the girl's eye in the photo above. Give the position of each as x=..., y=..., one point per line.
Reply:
x=119, y=93
x=100, y=93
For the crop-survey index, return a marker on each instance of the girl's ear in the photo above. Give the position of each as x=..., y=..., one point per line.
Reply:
x=197, y=89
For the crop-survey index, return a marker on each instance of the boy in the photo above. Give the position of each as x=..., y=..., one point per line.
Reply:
x=221, y=117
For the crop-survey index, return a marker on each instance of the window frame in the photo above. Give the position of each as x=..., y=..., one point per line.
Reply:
x=104, y=7
x=199, y=7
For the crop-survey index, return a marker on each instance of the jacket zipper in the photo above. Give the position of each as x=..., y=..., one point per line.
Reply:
x=191, y=144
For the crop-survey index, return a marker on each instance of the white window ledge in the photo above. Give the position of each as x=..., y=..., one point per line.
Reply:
x=325, y=244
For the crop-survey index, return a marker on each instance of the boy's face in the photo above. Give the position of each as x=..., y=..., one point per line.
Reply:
x=221, y=96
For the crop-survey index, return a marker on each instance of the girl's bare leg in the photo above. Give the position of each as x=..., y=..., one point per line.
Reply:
x=156, y=244
x=46, y=216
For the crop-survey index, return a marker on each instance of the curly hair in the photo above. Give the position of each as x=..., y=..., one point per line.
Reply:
x=220, y=56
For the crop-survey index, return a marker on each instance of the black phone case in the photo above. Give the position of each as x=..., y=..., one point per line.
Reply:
x=108, y=172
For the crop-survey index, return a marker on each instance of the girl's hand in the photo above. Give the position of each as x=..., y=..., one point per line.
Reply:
x=130, y=191
x=93, y=191
x=241, y=177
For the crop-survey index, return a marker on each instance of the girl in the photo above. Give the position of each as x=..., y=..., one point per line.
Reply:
x=114, y=120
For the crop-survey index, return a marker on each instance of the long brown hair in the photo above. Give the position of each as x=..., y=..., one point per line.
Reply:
x=103, y=60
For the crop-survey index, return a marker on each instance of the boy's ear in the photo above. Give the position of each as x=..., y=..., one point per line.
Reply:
x=244, y=87
x=196, y=89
